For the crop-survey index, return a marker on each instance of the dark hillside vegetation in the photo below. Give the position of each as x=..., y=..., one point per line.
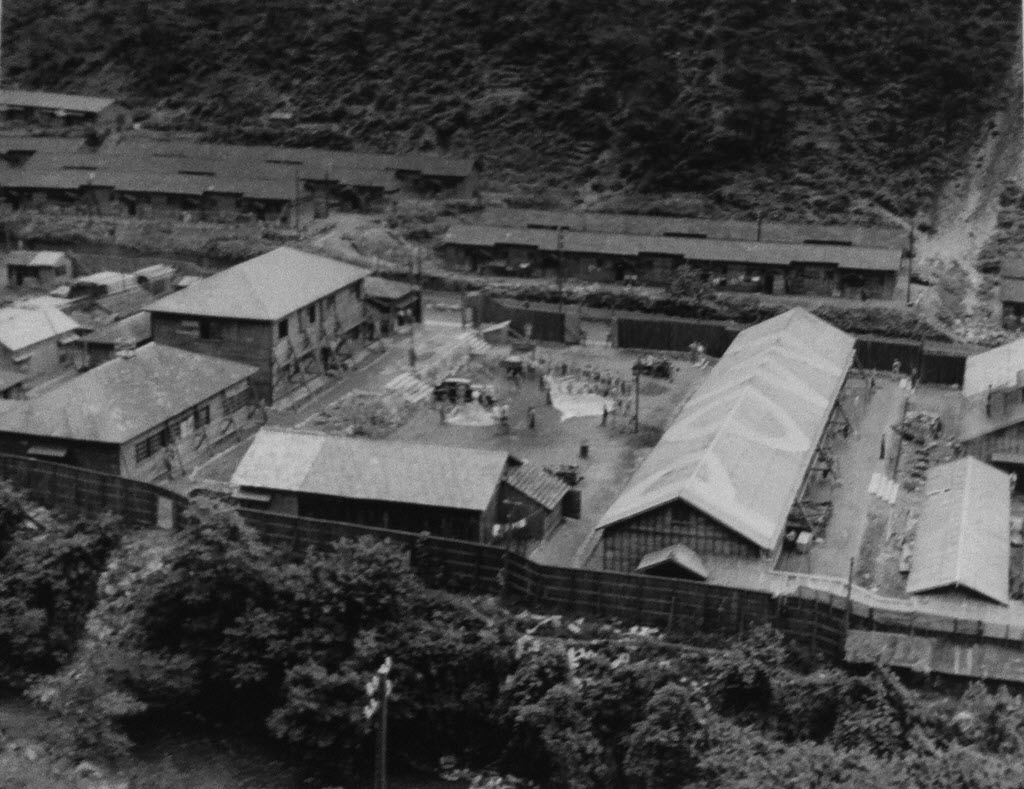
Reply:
x=797, y=106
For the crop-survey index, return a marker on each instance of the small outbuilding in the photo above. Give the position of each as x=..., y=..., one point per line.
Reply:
x=37, y=344
x=391, y=305
x=43, y=269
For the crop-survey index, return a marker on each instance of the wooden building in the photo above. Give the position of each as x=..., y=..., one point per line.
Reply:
x=391, y=305
x=37, y=344
x=219, y=182
x=103, y=344
x=147, y=414
x=37, y=269
x=743, y=266
x=962, y=543
x=706, y=485
x=692, y=227
x=991, y=424
x=62, y=109
x=290, y=314
x=448, y=491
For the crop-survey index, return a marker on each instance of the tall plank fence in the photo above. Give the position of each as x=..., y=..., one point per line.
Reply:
x=935, y=362
x=815, y=619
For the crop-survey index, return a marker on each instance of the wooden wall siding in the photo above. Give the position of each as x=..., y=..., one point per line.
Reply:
x=443, y=522
x=814, y=620
x=623, y=546
x=1010, y=440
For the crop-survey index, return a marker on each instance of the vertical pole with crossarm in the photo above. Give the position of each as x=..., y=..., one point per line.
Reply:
x=378, y=689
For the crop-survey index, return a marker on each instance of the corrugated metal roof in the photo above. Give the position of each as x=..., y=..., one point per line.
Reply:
x=697, y=249
x=682, y=555
x=22, y=328
x=732, y=229
x=764, y=406
x=266, y=288
x=534, y=482
x=994, y=369
x=121, y=399
x=54, y=101
x=963, y=535
x=371, y=470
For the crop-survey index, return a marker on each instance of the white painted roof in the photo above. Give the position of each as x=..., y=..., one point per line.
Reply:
x=741, y=446
x=963, y=536
x=22, y=328
x=997, y=368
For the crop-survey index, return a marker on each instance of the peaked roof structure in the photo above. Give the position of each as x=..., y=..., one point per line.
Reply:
x=266, y=288
x=678, y=555
x=371, y=470
x=121, y=399
x=963, y=536
x=764, y=406
x=23, y=328
x=712, y=249
x=34, y=259
x=45, y=100
x=997, y=368
x=680, y=226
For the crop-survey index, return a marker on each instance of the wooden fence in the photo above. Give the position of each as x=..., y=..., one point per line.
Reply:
x=935, y=362
x=536, y=321
x=79, y=491
x=814, y=619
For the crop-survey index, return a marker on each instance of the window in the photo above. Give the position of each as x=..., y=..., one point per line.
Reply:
x=150, y=445
x=202, y=415
x=311, y=313
x=189, y=328
x=237, y=397
x=282, y=329
x=211, y=329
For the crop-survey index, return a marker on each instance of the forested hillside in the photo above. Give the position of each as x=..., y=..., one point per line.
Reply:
x=802, y=106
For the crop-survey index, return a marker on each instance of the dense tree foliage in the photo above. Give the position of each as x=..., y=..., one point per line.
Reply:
x=49, y=566
x=209, y=624
x=806, y=105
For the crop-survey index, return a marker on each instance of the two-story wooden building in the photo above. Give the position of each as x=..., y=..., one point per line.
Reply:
x=290, y=314
x=991, y=425
x=146, y=414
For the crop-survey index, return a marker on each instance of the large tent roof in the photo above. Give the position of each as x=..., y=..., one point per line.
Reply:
x=963, y=537
x=741, y=446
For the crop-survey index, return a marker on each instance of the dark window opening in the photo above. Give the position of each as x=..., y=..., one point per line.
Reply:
x=282, y=329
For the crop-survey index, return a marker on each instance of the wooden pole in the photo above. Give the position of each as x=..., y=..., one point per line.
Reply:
x=382, y=734
x=849, y=595
x=636, y=392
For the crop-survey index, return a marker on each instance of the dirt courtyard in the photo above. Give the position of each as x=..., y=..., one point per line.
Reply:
x=613, y=450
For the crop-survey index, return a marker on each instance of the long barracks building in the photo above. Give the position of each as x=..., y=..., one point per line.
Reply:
x=774, y=258
x=215, y=182
x=704, y=490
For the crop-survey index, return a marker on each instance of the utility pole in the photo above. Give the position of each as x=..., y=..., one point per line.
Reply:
x=636, y=393
x=378, y=689
x=559, y=241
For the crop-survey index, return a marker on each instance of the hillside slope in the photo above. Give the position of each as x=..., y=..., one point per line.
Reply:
x=810, y=107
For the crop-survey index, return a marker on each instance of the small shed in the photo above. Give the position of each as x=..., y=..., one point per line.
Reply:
x=963, y=540
x=531, y=493
x=43, y=269
x=391, y=305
